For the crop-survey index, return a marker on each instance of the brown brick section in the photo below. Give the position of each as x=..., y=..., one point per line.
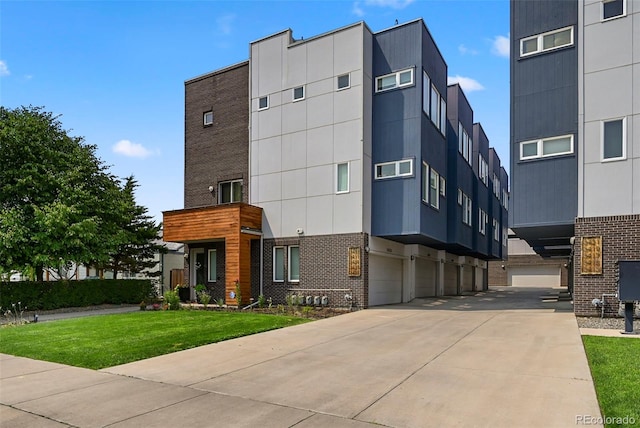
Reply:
x=218, y=152
x=498, y=276
x=620, y=241
x=323, y=269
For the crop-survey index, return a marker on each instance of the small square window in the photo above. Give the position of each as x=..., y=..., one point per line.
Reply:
x=298, y=93
x=404, y=168
x=344, y=81
x=613, y=139
x=529, y=150
x=529, y=46
x=613, y=9
x=263, y=103
x=406, y=77
x=207, y=118
x=386, y=170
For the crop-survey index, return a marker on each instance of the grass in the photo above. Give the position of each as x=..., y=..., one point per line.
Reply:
x=615, y=367
x=109, y=340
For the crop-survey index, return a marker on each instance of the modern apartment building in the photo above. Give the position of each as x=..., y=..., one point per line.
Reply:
x=575, y=145
x=339, y=167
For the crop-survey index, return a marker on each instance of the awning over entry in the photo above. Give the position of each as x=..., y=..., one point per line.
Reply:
x=195, y=225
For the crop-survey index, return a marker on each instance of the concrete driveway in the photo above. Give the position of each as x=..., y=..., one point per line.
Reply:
x=503, y=358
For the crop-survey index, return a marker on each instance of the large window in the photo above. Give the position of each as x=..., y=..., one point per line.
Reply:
x=230, y=191
x=613, y=9
x=443, y=116
x=342, y=178
x=434, y=188
x=398, y=79
x=546, y=41
x=400, y=168
x=483, y=169
x=426, y=90
x=482, y=221
x=294, y=264
x=465, y=144
x=496, y=230
x=213, y=272
x=467, y=209
x=613, y=139
x=278, y=264
x=546, y=147
x=435, y=106
x=425, y=182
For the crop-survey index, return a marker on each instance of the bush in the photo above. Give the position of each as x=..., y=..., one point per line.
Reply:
x=48, y=295
x=173, y=300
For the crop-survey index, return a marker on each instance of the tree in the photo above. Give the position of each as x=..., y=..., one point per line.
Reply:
x=55, y=195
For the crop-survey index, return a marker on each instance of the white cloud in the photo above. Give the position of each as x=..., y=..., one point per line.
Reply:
x=357, y=10
x=4, y=70
x=467, y=51
x=394, y=4
x=466, y=83
x=133, y=150
x=501, y=46
x=225, y=23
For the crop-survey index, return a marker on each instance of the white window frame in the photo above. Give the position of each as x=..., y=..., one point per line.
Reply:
x=470, y=150
x=483, y=169
x=338, y=88
x=496, y=230
x=482, y=222
x=215, y=273
x=397, y=77
x=505, y=199
x=460, y=196
x=204, y=118
x=434, y=177
x=443, y=116
x=624, y=139
x=460, y=138
x=425, y=182
x=443, y=187
x=540, y=147
x=397, y=169
x=435, y=116
x=467, y=210
x=289, y=259
x=426, y=93
x=266, y=97
x=230, y=182
x=505, y=237
x=293, y=93
x=540, y=40
x=338, y=191
x=624, y=11
x=278, y=247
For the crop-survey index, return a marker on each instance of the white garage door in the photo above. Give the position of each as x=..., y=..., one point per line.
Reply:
x=385, y=280
x=425, y=278
x=534, y=276
x=450, y=279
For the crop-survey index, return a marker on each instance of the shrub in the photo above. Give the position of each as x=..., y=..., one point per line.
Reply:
x=204, y=297
x=173, y=300
x=261, y=301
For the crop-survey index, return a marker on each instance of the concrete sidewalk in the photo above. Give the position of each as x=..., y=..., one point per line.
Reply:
x=503, y=358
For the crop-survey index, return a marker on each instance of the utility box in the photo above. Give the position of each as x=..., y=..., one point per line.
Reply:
x=628, y=280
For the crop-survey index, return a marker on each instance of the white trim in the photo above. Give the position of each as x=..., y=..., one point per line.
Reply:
x=624, y=10
x=261, y=98
x=204, y=118
x=397, y=169
x=293, y=93
x=397, y=79
x=274, y=263
x=215, y=274
x=540, y=147
x=338, y=191
x=338, y=88
x=435, y=176
x=231, y=194
x=540, y=42
x=289, y=263
x=624, y=139
x=426, y=93
x=443, y=187
x=425, y=183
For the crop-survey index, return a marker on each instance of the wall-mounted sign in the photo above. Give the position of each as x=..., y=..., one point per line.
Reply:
x=354, y=261
x=591, y=257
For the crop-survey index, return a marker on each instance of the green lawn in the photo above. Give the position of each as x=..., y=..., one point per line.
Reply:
x=615, y=367
x=108, y=340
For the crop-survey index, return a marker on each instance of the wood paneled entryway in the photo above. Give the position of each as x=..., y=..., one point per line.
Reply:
x=198, y=225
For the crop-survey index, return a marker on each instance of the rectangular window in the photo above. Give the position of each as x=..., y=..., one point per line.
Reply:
x=213, y=272
x=546, y=147
x=400, y=168
x=344, y=81
x=465, y=145
x=434, y=188
x=294, y=264
x=230, y=191
x=470, y=151
x=443, y=187
x=613, y=139
x=460, y=197
x=278, y=264
x=483, y=169
x=435, y=106
x=426, y=90
x=482, y=223
x=443, y=116
x=505, y=237
x=546, y=41
x=298, y=93
x=460, y=138
x=398, y=79
x=505, y=199
x=207, y=118
x=467, y=210
x=425, y=182
x=613, y=9
x=263, y=103
x=496, y=230
x=342, y=178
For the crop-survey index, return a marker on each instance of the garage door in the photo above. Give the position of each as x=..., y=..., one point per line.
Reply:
x=450, y=279
x=425, y=278
x=534, y=276
x=385, y=280
x=467, y=278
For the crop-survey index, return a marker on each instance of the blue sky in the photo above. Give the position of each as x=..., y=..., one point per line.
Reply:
x=115, y=70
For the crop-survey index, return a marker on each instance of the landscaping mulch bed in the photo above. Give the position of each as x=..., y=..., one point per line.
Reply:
x=606, y=323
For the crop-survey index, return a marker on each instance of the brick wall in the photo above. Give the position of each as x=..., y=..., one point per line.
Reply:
x=499, y=276
x=620, y=241
x=218, y=152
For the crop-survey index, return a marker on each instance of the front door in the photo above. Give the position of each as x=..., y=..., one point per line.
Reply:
x=197, y=265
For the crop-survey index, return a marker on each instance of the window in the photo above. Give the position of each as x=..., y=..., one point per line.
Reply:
x=398, y=79
x=207, y=118
x=425, y=182
x=496, y=230
x=467, y=209
x=470, y=151
x=443, y=116
x=434, y=188
x=505, y=237
x=482, y=221
x=213, y=272
x=435, y=106
x=460, y=138
x=546, y=41
x=344, y=81
x=278, y=264
x=443, y=187
x=263, y=103
x=465, y=145
x=505, y=199
x=613, y=9
x=460, y=197
x=342, y=178
x=426, y=90
x=546, y=147
x=483, y=169
x=230, y=191
x=298, y=93
x=400, y=168
x=294, y=264
x=613, y=139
